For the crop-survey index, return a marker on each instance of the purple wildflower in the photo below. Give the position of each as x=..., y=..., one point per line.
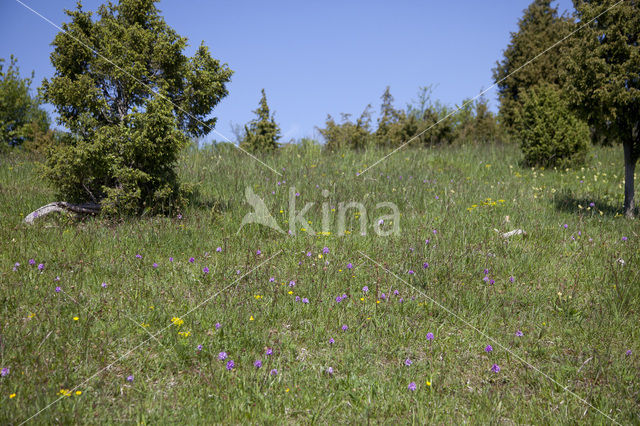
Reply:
x=338, y=299
x=58, y=289
x=429, y=336
x=258, y=252
x=488, y=348
x=272, y=279
x=349, y=265
x=305, y=300
x=624, y=238
x=425, y=265
x=4, y=372
x=41, y=267
x=274, y=372
x=222, y=356
x=408, y=362
x=495, y=368
x=292, y=283
x=230, y=364
x=331, y=341
x=171, y=259
x=330, y=371
x=104, y=285
x=345, y=328
x=396, y=292
x=519, y=333
x=257, y=364
x=32, y=262
x=218, y=325
x=130, y=378
x=365, y=289
x=628, y=352
x=191, y=260
x=325, y=250
x=411, y=272
x=199, y=348
x=512, y=279
x=297, y=298
x=205, y=270
x=155, y=265
x=412, y=386
x=138, y=256
x=269, y=351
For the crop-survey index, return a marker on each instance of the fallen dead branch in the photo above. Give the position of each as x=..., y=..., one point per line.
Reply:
x=63, y=207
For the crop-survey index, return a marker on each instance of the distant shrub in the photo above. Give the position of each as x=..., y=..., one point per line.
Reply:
x=348, y=134
x=475, y=123
x=425, y=123
x=549, y=133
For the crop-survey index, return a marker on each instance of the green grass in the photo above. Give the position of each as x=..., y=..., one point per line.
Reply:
x=575, y=303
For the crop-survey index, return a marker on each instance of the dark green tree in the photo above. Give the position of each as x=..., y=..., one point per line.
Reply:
x=131, y=99
x=538, y=29
x=262, y=133
x=21, y=118
x=603, y=69
x=549, y=133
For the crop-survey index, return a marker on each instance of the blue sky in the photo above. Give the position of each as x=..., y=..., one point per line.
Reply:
x=312, y=57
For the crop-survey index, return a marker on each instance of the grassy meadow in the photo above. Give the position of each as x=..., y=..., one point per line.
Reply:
x=559, y=306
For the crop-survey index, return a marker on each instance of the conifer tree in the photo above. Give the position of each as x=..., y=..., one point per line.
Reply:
x=131, y=99
x=538, y=29
x=603, y=76
x=262, y=133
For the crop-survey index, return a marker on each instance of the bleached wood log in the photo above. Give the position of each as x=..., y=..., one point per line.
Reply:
x=64, y=207
x=514, y=232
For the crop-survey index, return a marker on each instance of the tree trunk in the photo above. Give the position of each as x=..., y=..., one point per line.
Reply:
x=630, y=159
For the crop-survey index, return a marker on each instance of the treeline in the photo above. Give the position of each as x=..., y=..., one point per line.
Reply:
x=423, y=122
